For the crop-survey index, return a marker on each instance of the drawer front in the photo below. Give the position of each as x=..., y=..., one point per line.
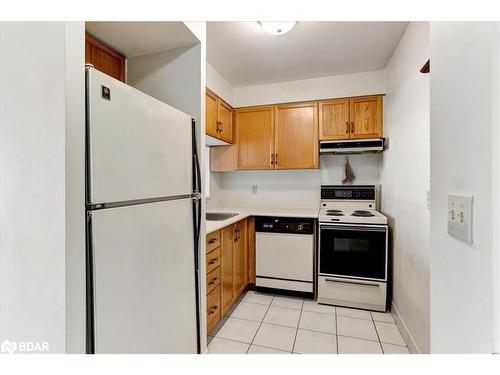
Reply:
x=213, y=308
x=352, y=293
x=213, y=260
x=213, y=279
x=213, y=240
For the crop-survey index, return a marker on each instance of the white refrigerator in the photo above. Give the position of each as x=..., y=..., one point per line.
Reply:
x=143, y=222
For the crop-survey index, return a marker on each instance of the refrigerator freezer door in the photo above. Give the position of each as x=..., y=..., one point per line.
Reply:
x=144, y=278
x=139, y=147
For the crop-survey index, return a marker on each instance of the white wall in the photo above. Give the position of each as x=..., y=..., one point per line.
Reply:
x=75, y=188
x=32, y=182
x=404, y=176
x=298, y=188
x=219, y=85
x=369, y=83
x=464, y=110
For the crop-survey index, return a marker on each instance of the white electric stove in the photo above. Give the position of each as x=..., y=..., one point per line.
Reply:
x=353, y=248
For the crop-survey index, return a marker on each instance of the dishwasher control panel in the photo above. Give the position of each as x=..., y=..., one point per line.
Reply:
x=284, y=225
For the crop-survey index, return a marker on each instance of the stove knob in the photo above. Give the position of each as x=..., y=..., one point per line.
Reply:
x=300, y=227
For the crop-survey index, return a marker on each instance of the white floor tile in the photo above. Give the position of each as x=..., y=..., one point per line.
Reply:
x=250, y=311
x=277, y=337
x=254, y=297
x=288, y=302
x=382, y=317
x=354, y=313
x=317, y=322
x=282, y=316
x=309, y=342
x=255, y=349
x=394, y=349
x=223, y=346
x=350, y=345
x=358, y=328
x=238, y=330
x=316, y=307
x=389, y=333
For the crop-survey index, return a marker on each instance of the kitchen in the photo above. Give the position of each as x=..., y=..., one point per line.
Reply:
x=294, y=196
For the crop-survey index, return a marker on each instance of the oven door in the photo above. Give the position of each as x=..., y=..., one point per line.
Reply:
x=357, y=251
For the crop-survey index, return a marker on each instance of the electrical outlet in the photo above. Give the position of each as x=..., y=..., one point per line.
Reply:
x=254, y=189
x=460, y=217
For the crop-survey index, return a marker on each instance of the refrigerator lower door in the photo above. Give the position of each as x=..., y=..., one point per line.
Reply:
x=144, y=278
x=137, y=146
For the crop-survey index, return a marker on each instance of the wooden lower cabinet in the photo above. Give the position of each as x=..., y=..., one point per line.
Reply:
x=240, y=270
x=227, y=270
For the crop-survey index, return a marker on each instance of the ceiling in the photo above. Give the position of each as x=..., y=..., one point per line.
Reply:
x=244, y=54
x=139, y=38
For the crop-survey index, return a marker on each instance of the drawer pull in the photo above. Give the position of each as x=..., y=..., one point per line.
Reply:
x=212, y=240
x=213, y=261
x=213, y=281
x=361, y=283
x=212, y=310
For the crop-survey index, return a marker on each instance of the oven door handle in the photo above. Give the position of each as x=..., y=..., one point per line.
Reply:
x=357, y=228
x=354, y=282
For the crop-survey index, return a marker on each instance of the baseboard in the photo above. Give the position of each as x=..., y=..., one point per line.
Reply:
x=407, y=337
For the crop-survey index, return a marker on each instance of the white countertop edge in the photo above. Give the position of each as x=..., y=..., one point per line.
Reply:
x=213, y=225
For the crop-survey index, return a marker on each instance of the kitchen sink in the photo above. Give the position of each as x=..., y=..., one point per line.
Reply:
x=219, y=216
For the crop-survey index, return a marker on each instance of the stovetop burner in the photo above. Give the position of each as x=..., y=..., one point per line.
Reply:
x=334, y=213
x=362, y=213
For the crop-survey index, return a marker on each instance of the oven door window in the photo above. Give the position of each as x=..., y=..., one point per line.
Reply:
x=353, y=251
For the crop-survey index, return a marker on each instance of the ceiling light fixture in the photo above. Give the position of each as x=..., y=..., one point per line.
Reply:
x=277, y=28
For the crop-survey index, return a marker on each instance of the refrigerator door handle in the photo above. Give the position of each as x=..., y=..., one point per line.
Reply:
x=196, y=227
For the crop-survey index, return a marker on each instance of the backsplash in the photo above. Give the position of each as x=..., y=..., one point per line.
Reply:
x=297, y=188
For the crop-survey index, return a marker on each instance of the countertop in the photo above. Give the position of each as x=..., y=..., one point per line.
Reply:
x=243, y=213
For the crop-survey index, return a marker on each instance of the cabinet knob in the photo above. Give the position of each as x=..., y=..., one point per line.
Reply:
x=212, y=240
x=352, y=127
x=347, y=127
x=213, y=261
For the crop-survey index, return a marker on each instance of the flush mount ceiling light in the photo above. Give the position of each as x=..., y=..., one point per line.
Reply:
x=277, y=28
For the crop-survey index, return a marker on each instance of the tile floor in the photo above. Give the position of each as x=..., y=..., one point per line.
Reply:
x=267, y=324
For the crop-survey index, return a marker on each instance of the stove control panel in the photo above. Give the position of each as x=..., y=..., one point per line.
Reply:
x=341, y=192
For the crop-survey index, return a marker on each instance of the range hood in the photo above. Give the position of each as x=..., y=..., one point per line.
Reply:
x=353, y=146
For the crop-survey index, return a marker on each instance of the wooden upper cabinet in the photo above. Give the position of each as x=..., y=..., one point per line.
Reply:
x=104, y=59
x=334, y=119
x=211, y=114
x=218, y=117
x=296, y=136
x=366, y=117
x=255, y=137
x=225, y=118
x=240, y=257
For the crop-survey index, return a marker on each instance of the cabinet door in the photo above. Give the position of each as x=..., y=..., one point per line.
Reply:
x=296, y=136
x=254, y=137
x=366, y=117
x=240, y=257
x=104, y=59
x=211, y=114
x=225, y=119
x=334, y=119
x=251, y=249
x=227, y=268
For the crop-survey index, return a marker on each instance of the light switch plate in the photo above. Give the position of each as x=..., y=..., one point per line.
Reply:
x=460, y=217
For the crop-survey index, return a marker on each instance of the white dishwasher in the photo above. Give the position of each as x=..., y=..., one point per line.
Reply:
x=284, y=253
